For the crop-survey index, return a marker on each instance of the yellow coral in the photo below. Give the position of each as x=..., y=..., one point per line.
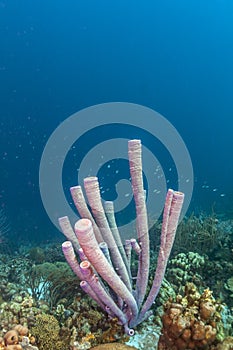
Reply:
x=46, y=331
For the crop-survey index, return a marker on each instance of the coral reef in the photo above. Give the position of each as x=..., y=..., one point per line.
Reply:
x=88, y=326
x=52, y=282
x=13, y=270
x=227, y=344
x=18, y=338
x=20, y=310
x=37, y=255
x=217, y=274
x=80, y=324
x=192, y=321
x=185, y=267
x=200, y=269
x=203, y=234
x=79, y=319
x=46, y=332
x=45, y=253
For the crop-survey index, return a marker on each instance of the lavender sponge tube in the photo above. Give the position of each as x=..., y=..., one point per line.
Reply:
x=87, y=240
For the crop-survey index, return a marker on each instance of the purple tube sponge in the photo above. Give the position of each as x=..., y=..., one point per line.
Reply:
x=104, y=256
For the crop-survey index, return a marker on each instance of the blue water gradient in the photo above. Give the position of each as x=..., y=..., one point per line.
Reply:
x=57, y=57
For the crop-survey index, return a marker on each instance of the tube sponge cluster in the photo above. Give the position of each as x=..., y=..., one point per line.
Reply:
x=95, y=251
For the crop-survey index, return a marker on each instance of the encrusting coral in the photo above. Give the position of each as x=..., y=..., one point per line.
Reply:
x=191, y=322
x=46, y=331
x=18, y=338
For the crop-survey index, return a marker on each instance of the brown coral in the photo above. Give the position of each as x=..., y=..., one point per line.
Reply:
x=16, y=339
x=11, y=337
x=207, y=309
x=191, y=323
x=22, y=330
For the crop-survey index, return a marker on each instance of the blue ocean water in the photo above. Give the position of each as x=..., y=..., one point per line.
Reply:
x=59, y=57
